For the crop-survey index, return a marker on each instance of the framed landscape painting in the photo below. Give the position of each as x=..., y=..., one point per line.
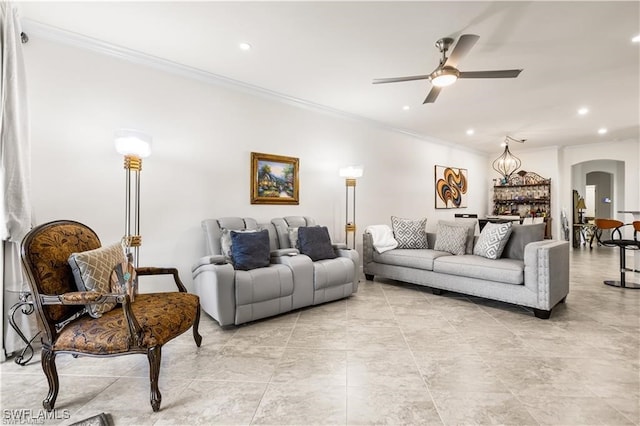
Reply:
x=451, y=187
x=274, y=179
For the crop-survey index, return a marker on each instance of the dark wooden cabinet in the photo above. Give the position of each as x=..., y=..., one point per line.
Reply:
x=525, y=194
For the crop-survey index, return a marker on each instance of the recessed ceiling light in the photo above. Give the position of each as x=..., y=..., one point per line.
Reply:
x=636, y=39
x=406, y=107
x=470, y=132
x=602, y=130
x=244, y=46
x=583, y=111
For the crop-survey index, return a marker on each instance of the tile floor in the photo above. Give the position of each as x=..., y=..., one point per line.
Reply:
x=391, y=354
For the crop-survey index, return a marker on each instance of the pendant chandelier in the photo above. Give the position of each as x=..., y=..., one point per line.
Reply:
x=507, y=163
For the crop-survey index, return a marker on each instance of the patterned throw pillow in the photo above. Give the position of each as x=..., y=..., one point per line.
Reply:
x=470, y=225
x=92, y=271
x=492, y=240
x=410, y=234
x=451, y=238
x=124, y=280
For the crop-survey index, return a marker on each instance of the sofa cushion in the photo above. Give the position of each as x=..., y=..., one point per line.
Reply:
x=262, y=284
x=521, y=235
x=92, y=271
x=162, y=316
x=492, y=240
x=315, y=242
x=410, y=234
x=332, y=272
x=411, y=258
x=510, y=271
x=451, y=238
x=250, y=250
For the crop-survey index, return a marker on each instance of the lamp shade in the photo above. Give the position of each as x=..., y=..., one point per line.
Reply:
x=352, y=172
x=581, y=205
x=132, y=142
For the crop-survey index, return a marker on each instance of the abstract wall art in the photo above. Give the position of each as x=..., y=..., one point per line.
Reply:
x=451, y=185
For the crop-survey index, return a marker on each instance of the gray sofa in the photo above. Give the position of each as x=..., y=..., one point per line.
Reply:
x=290, y=281
x=539, y=279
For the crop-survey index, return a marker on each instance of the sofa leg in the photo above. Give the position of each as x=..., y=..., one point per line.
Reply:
x=437, y=291
x=369, y=277
x=564, y=299
x=542, y=314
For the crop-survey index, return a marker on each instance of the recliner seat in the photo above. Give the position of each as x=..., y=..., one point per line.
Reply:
x=291, y=280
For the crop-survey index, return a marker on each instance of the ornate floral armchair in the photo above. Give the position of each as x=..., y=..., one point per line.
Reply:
x=139, y=327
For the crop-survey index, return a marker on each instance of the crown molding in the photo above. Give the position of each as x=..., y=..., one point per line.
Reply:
x=58, y=35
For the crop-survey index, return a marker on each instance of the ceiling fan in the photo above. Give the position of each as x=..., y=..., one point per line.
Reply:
x=446, y=73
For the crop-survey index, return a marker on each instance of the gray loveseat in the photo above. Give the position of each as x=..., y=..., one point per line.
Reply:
x=290, y=281
x=538, y=279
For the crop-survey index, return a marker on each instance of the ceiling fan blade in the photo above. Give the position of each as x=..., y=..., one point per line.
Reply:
x=433, y=95
x=490, y=74
x=397, y=79
x=463, y=46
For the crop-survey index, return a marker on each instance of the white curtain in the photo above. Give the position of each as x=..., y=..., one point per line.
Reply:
x=15, y=169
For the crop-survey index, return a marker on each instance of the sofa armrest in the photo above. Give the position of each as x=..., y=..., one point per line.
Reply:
x=337, y=246
x=215, y=284
x=546, y=271
x=367, y=250
x=154, y=270
x=355, y=258
x=284, y=252
x=216, y=259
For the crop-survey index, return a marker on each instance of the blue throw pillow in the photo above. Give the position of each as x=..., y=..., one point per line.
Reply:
x=314, y=241
x=250, y=250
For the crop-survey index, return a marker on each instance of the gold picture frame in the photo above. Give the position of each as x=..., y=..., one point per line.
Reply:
x=274, y=179
x=451, y=185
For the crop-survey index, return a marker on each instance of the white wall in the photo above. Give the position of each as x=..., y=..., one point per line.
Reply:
x=203, y=136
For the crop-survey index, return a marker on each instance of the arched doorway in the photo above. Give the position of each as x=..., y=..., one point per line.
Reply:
x=601, y=183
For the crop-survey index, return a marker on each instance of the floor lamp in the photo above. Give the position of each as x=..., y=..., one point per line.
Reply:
x=350, y=173
x=135, y=146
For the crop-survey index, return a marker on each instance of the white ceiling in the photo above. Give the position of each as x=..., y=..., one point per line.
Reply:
x=573, y=54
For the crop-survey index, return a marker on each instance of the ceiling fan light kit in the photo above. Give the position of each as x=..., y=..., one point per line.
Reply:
x=446, y=73
x=445, y=76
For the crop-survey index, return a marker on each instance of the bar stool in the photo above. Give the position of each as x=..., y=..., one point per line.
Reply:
x=616, y=240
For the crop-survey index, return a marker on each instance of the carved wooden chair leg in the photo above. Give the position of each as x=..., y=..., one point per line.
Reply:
x=196, y=336
x=49, y=367
x=154, y=354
